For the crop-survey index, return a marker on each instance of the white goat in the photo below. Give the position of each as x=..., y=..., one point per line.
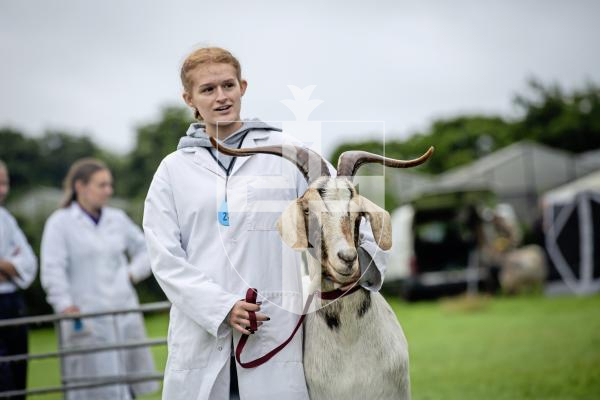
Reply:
x=354, y=345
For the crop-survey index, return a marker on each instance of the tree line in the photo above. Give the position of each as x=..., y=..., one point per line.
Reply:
x=546, y=114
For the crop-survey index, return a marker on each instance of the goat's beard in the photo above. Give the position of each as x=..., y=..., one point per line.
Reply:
x=337, y=278
x=324, y=276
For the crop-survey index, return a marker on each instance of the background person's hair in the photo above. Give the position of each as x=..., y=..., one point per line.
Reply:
x=207, y=55
x=3, y=166
x=81, y=170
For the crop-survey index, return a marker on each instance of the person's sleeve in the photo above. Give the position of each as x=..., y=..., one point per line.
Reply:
x=185, y=285
x=371, y=258
x=22, y=257
x=53, y=270
x=139, y=266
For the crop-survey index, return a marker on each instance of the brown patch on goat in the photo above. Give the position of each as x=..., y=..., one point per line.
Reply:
x=357, y=230
x=346, y=228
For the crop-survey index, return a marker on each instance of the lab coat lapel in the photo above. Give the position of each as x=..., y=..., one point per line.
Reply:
x=85, y=220
x=80, y=216
x=205, y=160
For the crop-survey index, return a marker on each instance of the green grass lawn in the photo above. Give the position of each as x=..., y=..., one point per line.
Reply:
x=499, y=348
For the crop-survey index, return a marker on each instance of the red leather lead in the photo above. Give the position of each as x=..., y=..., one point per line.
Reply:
x=251, y=295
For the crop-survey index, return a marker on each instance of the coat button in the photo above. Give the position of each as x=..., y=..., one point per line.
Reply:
x=220, y=348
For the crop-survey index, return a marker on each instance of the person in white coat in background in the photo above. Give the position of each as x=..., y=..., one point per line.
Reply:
x=85, y=268
x=210, y=226
x=18, y=266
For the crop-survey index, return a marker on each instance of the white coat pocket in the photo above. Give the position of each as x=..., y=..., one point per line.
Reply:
x=267, y=198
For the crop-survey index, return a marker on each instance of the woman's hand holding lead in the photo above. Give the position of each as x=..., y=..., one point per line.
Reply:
x=239, y=319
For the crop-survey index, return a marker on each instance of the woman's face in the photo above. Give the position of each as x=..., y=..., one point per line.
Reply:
x=96, y=193
x=217, y=95
x=4, y=184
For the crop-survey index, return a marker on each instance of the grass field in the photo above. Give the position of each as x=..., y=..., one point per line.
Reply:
x=482, y=348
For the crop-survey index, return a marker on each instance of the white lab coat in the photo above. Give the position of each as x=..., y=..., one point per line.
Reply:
x=15, y=249
x=85, y=265
x=204, y=268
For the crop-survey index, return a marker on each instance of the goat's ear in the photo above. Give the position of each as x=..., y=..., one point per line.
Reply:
x=380, y=222
x=291, y=226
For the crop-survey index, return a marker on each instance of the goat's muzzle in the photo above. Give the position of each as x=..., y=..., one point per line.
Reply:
x=344, y=268
x=348, y=256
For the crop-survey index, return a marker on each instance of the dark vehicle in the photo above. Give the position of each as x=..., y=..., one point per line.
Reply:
x=439, y=253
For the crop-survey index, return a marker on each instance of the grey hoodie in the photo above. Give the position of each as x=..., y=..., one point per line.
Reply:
x=196, y=136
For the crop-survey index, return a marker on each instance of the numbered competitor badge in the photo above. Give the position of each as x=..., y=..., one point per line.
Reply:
x=223, y=214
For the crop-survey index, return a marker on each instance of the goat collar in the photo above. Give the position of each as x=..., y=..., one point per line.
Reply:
x=338, y=293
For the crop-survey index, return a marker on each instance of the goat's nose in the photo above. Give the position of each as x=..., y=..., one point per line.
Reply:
x=348, y=255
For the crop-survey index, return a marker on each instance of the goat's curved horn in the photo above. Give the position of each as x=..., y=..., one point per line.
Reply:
x=350, y=161
x=308, y=162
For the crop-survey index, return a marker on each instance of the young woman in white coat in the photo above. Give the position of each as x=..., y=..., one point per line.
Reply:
x=91, y=255
x=18, y=266
x=210, y=226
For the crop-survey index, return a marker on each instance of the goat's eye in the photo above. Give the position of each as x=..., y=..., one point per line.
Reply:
x=305, y=211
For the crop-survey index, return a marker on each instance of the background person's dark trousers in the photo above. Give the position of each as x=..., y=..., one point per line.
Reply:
x=13, y=341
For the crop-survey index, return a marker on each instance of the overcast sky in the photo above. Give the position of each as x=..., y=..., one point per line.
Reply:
x=104, y=67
